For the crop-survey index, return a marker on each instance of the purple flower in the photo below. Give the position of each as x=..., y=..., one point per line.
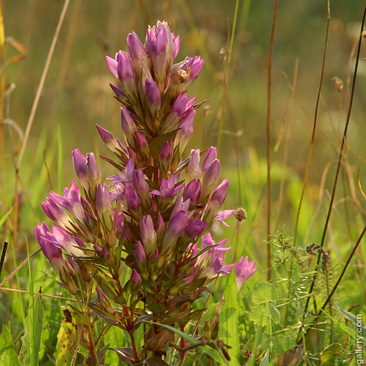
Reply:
x=153, y=97
x=148, y=234
x=53, y=253
x=222, y=215
x=182, y=105
x=69, y=242
x=133, y=200
x=186, y=72
x=176, y=45
x=135, y=278
x=166, y=155
x=193, y=170
x=57, y=214
x=140, y=253
x=48, y=243
x=195, y=228
x=216, y=201
x=72, y=202
x=141, y=187
x=160, y=44
x=185, y=131
x=167, y=188
x=210, y=179
x=192, y=191
x=138, y=53
x=87, y=171
x=113, y=144
x=210, y=157
x=176, y=226
x=244, y=270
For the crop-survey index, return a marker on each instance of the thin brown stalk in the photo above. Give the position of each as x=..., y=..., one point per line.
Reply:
x=340, y=156
x=268, y=131
x=314, y=125
x=41, y=84
x=37, y=294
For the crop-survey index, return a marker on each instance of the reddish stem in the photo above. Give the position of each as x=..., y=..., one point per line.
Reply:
x=133, y=345
x=182, y=343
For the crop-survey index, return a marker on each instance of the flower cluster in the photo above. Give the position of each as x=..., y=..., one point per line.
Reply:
x=154, y=216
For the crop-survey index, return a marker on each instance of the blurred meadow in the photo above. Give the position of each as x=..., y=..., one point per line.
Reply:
x=76, y=96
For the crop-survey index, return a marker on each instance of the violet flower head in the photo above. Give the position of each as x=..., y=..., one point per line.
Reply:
x=244, y=270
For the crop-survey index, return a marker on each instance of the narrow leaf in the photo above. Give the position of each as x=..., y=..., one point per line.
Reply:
x=229, y=319
x=7, y=351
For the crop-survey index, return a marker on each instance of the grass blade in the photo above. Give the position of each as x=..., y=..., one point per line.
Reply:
x=229, y=319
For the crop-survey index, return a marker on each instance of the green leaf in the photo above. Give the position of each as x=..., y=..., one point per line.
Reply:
x=4, y=217
x=350, y=317
x=115, y=337
x=7, y=351
x=265, y=360
x=283, y=343
x=264, y=292
x=331, y=355
x=35, y=319
x=274, y=313
x=229, y=319
x=262, y=315
x=206, y=349
x=351, y=332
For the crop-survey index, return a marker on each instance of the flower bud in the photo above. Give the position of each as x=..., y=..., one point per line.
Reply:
x=153, y=97
x=148, y=234
x=128, y=126
x=135, y=278
x=141, y=187
x=133, y=200
x=104, y=301
x=165, y=156
x=181, y=106
x=177, y=224
x=53, y=253
x=87, y=171
x=185, y=131
x=216, y=201
x=142, y=146
x=210, y=157
x=140, y=256
x=113, y=144
x=138, y=53
x=68, y=242
x=159, y=42
x=192, y=191
x=195, y=228
x=193, y=168
x=125, y=72
x=210, y=179
x=57, y=214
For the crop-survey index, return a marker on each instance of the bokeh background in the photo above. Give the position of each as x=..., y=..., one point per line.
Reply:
x=76, y=96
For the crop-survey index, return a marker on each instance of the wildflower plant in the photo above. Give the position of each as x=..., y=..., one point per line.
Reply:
x=139, y=250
